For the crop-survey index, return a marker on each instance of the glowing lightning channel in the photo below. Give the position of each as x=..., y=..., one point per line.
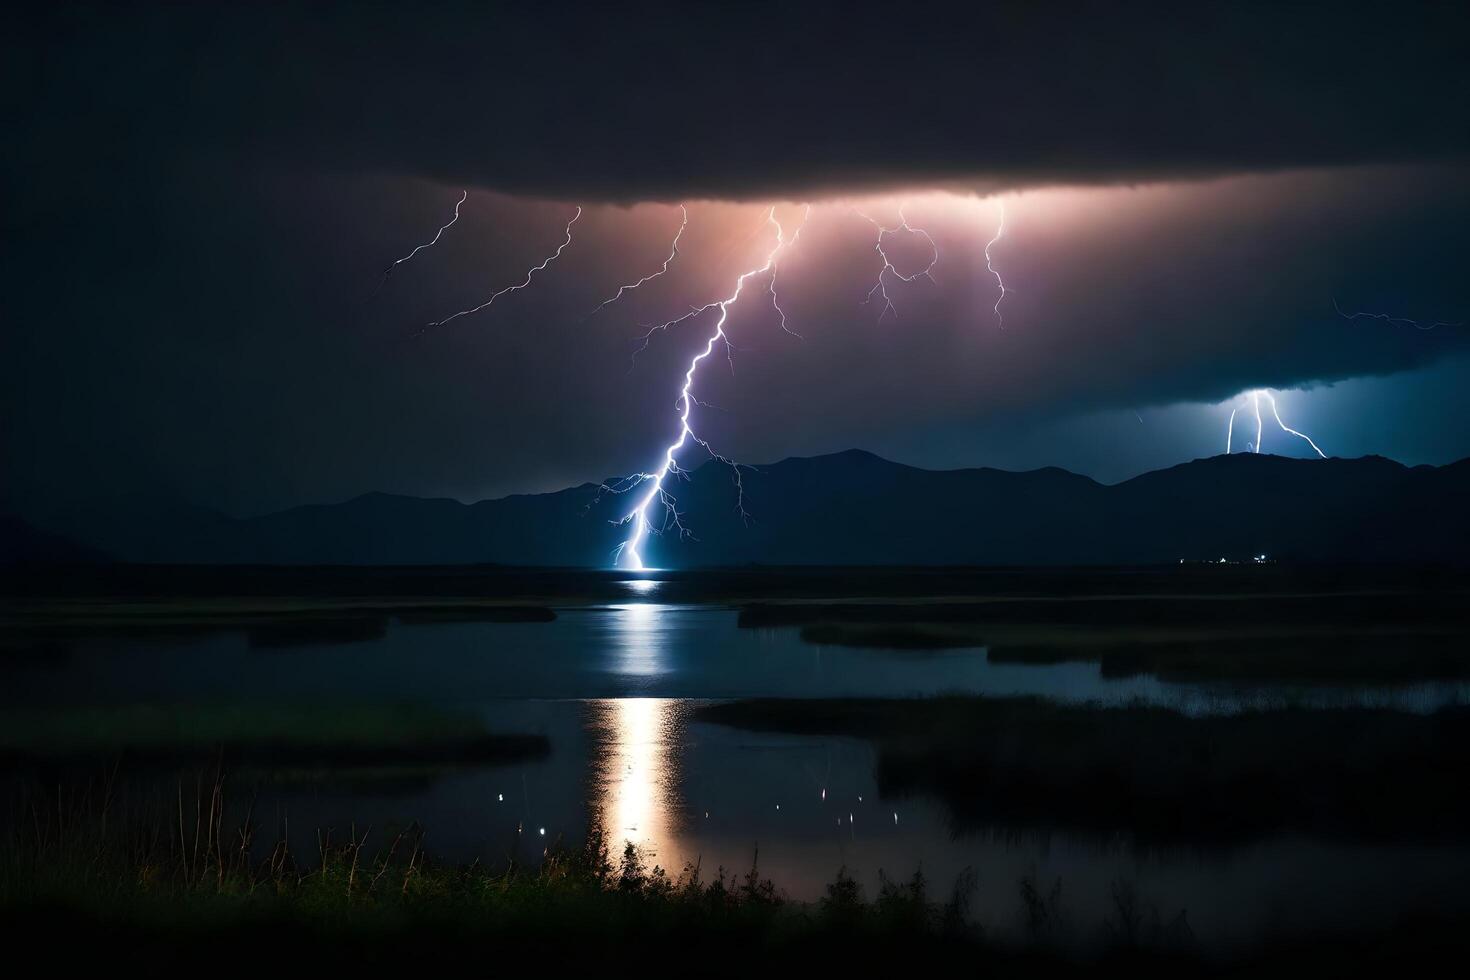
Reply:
x=1387, y=318
x=1286, y=428
x=1256, y=397
x=1000, y=230
x=673, y=254
x=1256, y=404
x=520, y=285
x=628, y=552
x=880, y=288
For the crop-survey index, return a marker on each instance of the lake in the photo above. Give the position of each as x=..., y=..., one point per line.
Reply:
x=614, y=686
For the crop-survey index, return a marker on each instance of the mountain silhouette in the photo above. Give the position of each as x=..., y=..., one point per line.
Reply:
x=21, y=543
x=853, y=508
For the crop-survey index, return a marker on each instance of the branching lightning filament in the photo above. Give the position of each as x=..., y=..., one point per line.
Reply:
x=781, y=246
x=520, y=285
x=628, y=554
x=880, y=287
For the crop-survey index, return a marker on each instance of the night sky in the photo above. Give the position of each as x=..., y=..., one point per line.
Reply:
x=199, y=205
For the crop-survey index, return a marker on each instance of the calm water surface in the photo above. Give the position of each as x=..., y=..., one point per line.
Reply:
x=613, y=688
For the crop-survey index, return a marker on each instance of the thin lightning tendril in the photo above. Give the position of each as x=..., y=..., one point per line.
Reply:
x=673, y=254
x=776, y=268
x=627, y=552
x=520, y=285
x=1256, y=397
x=1000, y=230
x=464, y=196
x=1387, y=318
x=880, y=288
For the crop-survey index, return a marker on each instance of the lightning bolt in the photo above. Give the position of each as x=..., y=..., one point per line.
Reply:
x=673, y=254
x=880, y=288
x=1255, y=397
x=628, y=552
x=781, y=246
x=464, y=195
x=1000, y=230
x=1256, y=404
x=520, y=285
x=1395, y=320
x=1286, y=428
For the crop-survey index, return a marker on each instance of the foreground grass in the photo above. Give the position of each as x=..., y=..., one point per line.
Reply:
x=162, y=893
x=1150, y=773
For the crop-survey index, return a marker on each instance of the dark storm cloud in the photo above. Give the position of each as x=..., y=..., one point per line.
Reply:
x=200, y=200
x=634, y=102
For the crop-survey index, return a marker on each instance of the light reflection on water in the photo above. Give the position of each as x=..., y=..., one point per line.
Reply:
x=611, y=688
x=635, y=775
x=636, y=640
x=642, y=588
x=628, y=649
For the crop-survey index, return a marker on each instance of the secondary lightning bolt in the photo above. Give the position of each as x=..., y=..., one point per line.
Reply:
x=628, y=552
x=464, y=195
x=1000, y=230
x=1386, y=318
x=520, y=285
x=1256, y=397
x=1286, y=428
x=781, y=246
x=880, y=288
x=673, y=254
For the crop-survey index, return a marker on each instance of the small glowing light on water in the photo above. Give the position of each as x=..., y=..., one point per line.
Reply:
x=860, y=797
x=642, y=586
x=824, y=792
x=543, y=831
x=849, y=818
x=500, y=797
x=895, y=819
x=778, y=806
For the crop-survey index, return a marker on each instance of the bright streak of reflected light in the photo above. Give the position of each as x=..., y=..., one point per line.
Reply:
x=635, y=774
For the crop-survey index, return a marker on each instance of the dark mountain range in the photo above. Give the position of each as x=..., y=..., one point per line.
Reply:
x=855, y=508
x=21, y=543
